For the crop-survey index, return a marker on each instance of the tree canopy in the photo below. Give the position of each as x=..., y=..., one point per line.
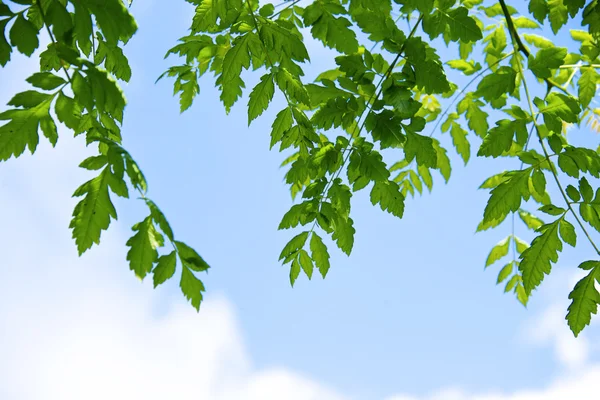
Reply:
x=374, y=122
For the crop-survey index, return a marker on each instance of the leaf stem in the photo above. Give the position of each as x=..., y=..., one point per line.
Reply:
x=547, y=156
x=520, y=46
x=579, y=66
x=293, y=3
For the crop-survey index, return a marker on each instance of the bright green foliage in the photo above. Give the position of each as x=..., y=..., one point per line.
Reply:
x=585, y=298
x=78, y=81
x=319, y=254
x=261, y=96
x=455, y=23
x=546, y=60
x=507, y=196
x=537, y=260
x=498, y=251
x=369, y=123
x=509, y=272
x=165, y=268
x=333, y=31
x=92, y=215
x=587, y=86
x=388, y=195
x=144, y=245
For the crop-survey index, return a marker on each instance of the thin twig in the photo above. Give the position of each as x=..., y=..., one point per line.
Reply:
x=516, y=41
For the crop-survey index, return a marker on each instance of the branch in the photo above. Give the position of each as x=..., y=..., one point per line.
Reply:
x=520, y=46
x=552, y=167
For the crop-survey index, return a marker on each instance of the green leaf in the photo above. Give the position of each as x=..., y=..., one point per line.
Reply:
x=68, y=111
x=557, y=14
x=306, y=263
x=500, y=138
x=507, y=196
x=591, y=214
x=389, y=197
x=344, y=234
x=191, y=287
x=552, y=210
x=23, y=35
x=587, y=85
x=512, y=283
x=380, y=27
x=476, y=117
x=190, y=258
x=366, y=166
x=319, y=254
x=160, y=219
x=520, y=245
x=456, y=23
x=525, y=23
x=260, y=97
x=114, y=60
x=92, y=215
x=165, y=268
x=546, y=60
x=295, y=269
x=558, y=108
x=5, y=48
x=292, y=86
x=585, y=299
x=333, y=31
x=443, y=162
x=428, y=71
x=21, y=131
x=49, y=129
x=83, y=27
x=94, y=163
x=420, y=147
x=237, y=58
x=539, y=9
x=494, y=180
x=567, y=233
x=113, y=18
x=537, y=260
x=46, y=80
x=386, y=128
x=267, y=10
x=298, y=214
x=283, y=121
x=494, y=85
x=573, y=193
x=144, y=245
x=498, y=251
x=505, y=272
x=466, y=67
x=586, y=190
x=530, y=220
x=521, y=294
x=29, y=99
x=538, y=41
x=294, y=245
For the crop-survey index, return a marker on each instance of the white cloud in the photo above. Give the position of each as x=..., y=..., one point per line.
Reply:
x=83, y=328
x=76, y=328
x=550, y=329
x=579, y=379
x=585, y=385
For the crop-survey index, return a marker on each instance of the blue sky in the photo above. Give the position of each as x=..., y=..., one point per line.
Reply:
x=410, y=315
